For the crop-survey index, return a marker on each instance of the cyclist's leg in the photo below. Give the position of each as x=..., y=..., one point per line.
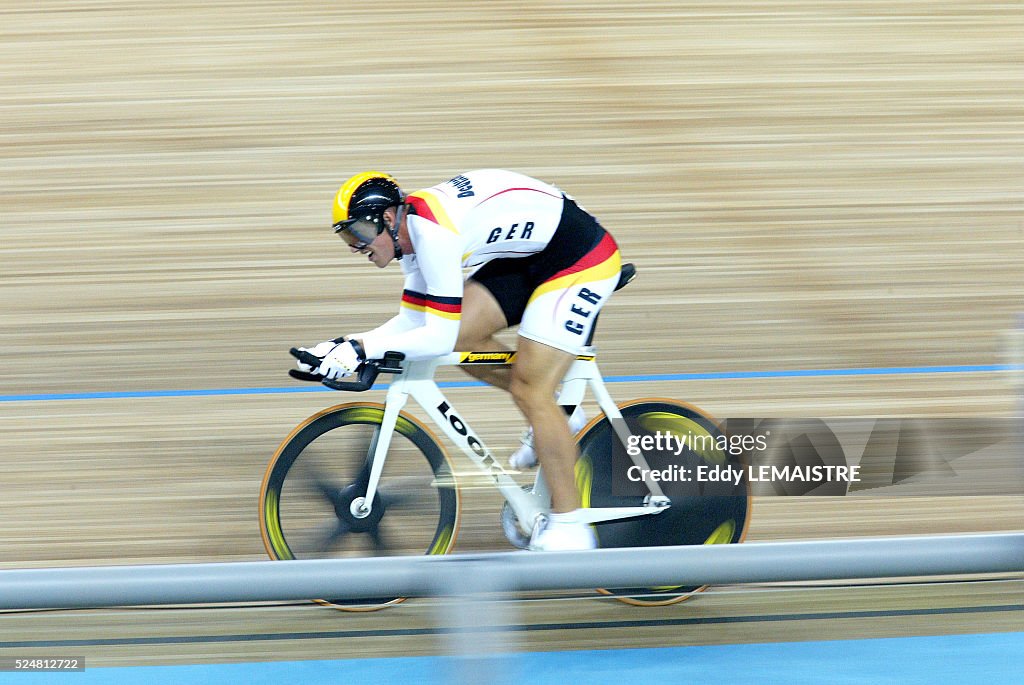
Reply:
x=482, y=317
x=487, y=305
x=538, y=370
x=556, y=324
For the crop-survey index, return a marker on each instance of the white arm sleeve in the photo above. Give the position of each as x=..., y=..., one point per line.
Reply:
x=431, y=301
x=405, y=320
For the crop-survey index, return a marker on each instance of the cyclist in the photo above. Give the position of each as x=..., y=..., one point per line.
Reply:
x=538, y=260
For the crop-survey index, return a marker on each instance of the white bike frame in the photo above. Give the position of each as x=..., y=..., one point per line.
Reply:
x=417, y=381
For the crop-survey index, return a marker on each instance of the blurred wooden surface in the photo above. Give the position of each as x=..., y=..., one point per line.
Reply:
x=802, y=185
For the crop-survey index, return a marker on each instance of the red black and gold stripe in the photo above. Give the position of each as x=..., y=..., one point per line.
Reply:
x=446, y=307
x=426, y=205
x=600, y=263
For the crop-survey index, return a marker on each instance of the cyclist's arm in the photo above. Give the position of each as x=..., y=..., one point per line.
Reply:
x=407, y=319
x=434, y=296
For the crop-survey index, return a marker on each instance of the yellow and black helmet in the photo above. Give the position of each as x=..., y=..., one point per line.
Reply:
x=358, y=210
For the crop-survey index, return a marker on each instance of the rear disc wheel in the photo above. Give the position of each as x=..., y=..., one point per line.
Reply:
x=713, y=513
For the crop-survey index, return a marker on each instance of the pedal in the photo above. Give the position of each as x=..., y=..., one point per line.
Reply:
x=659, y=502
x=510, y=527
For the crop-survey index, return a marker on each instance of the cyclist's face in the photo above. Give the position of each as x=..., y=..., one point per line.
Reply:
x=363, y=237
x=380, y=251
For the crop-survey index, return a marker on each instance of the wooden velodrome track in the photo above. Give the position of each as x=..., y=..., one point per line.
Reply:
x=802, y=184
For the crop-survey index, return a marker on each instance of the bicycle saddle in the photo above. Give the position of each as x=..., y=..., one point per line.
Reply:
x=627, y=274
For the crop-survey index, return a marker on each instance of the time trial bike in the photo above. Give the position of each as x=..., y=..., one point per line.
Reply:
x=369, y=478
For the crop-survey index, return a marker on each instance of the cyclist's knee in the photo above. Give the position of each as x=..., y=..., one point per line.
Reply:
x=474, y=335
x=530, y=395
x=475, y=342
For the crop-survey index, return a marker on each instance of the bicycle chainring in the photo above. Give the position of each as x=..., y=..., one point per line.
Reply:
x=510, y=526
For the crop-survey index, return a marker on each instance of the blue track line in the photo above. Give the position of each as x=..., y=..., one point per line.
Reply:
x=708, y=376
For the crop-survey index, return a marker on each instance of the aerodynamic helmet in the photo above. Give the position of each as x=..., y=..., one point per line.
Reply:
x=358, y=210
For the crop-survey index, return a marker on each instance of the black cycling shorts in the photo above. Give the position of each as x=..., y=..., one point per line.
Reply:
x=512, y=281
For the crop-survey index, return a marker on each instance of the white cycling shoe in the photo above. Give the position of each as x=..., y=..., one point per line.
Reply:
x=562, y=533
x=525, y=458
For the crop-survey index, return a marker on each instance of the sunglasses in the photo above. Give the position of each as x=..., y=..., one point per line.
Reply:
x=358, y=233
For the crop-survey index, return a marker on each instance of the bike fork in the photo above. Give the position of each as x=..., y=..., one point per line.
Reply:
x=396, y=399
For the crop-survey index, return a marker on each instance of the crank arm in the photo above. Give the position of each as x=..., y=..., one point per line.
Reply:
x=602, y=514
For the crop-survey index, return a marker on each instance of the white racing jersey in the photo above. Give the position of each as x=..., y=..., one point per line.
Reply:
x=462, y=223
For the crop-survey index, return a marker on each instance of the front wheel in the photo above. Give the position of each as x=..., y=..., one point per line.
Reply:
x=315, y=483
x=700, y=514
